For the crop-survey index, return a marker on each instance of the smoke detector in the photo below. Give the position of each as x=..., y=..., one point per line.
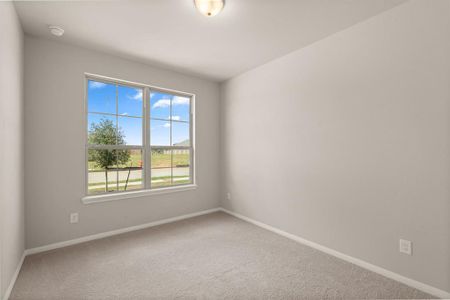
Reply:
x=55, y=30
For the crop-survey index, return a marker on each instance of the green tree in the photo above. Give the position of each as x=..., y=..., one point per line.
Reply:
x=105, y=133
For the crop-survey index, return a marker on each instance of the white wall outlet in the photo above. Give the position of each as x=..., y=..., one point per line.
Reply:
x=405, y=247
x=228, y=196
x=73, y=218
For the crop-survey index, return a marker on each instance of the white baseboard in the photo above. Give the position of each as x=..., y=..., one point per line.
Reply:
x=389, y=274
x=96, y=237
x=14, y=278
x=408, y=281
x=115, y=232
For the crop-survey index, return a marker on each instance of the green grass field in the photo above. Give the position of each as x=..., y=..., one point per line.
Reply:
x=162, y=160
x=159, y=160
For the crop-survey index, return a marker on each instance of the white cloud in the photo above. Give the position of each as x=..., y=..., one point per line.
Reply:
x=176, y=118
x=162, y=103
x=96, y=85
x=124, y=114
x=137, y=96
x=166, y=125
x=177, y=100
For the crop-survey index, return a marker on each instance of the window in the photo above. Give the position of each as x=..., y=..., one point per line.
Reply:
x=138, y=137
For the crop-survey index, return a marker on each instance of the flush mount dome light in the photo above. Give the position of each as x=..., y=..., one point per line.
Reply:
x=55, y=30
x=209, y=8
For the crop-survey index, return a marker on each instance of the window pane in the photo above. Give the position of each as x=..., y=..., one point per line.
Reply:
x=180, y=134
x=101, y=97
x=116, y=116
x=130, y=169
x=130, y=131
x=101, y=129
x=180, y=108
x=130, y=101
x=161, y=162
x=159, y=133
x=102, y=171
x=160, y=105
x=181, y=166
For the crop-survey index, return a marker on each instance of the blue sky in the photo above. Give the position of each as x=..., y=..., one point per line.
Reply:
x=102, y=99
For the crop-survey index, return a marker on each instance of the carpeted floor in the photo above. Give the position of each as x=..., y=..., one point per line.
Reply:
x=209, y=257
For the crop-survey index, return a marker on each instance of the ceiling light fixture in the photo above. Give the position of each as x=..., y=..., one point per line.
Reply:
x=55, y=30
x=209, y=8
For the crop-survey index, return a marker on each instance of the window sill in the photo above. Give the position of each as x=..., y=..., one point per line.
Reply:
x=135, y=194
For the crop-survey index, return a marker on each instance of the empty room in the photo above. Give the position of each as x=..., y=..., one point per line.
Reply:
x=225, y=149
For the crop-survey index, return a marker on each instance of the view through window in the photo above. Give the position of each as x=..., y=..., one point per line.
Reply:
x=138, y=137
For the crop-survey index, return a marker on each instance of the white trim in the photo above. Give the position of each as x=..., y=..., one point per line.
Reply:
x=115, y=232
x=389, y=274
x=14, y=278
x=108, y=79
x=134, y=194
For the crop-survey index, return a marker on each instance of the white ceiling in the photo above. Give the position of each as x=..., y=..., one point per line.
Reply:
x=172, y=34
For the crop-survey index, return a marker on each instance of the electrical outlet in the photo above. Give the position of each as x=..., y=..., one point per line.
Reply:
x=228, y=196
x=73, y=218
x=405, y=247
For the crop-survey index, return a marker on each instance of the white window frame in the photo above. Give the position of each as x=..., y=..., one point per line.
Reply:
x=146, y=144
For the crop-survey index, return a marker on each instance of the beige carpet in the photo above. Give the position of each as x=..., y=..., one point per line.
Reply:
x=214, y=256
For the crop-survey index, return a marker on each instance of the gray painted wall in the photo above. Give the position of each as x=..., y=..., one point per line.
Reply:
x=347, y=142
x=54, y=144
x=12, y=227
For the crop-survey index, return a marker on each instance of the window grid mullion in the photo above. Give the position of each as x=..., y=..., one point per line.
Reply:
x=114, y=147
x=117, y=137
x=171, y=144
x=191, y=143
x=178, y=121
x=112, y=115
x=148, y=149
